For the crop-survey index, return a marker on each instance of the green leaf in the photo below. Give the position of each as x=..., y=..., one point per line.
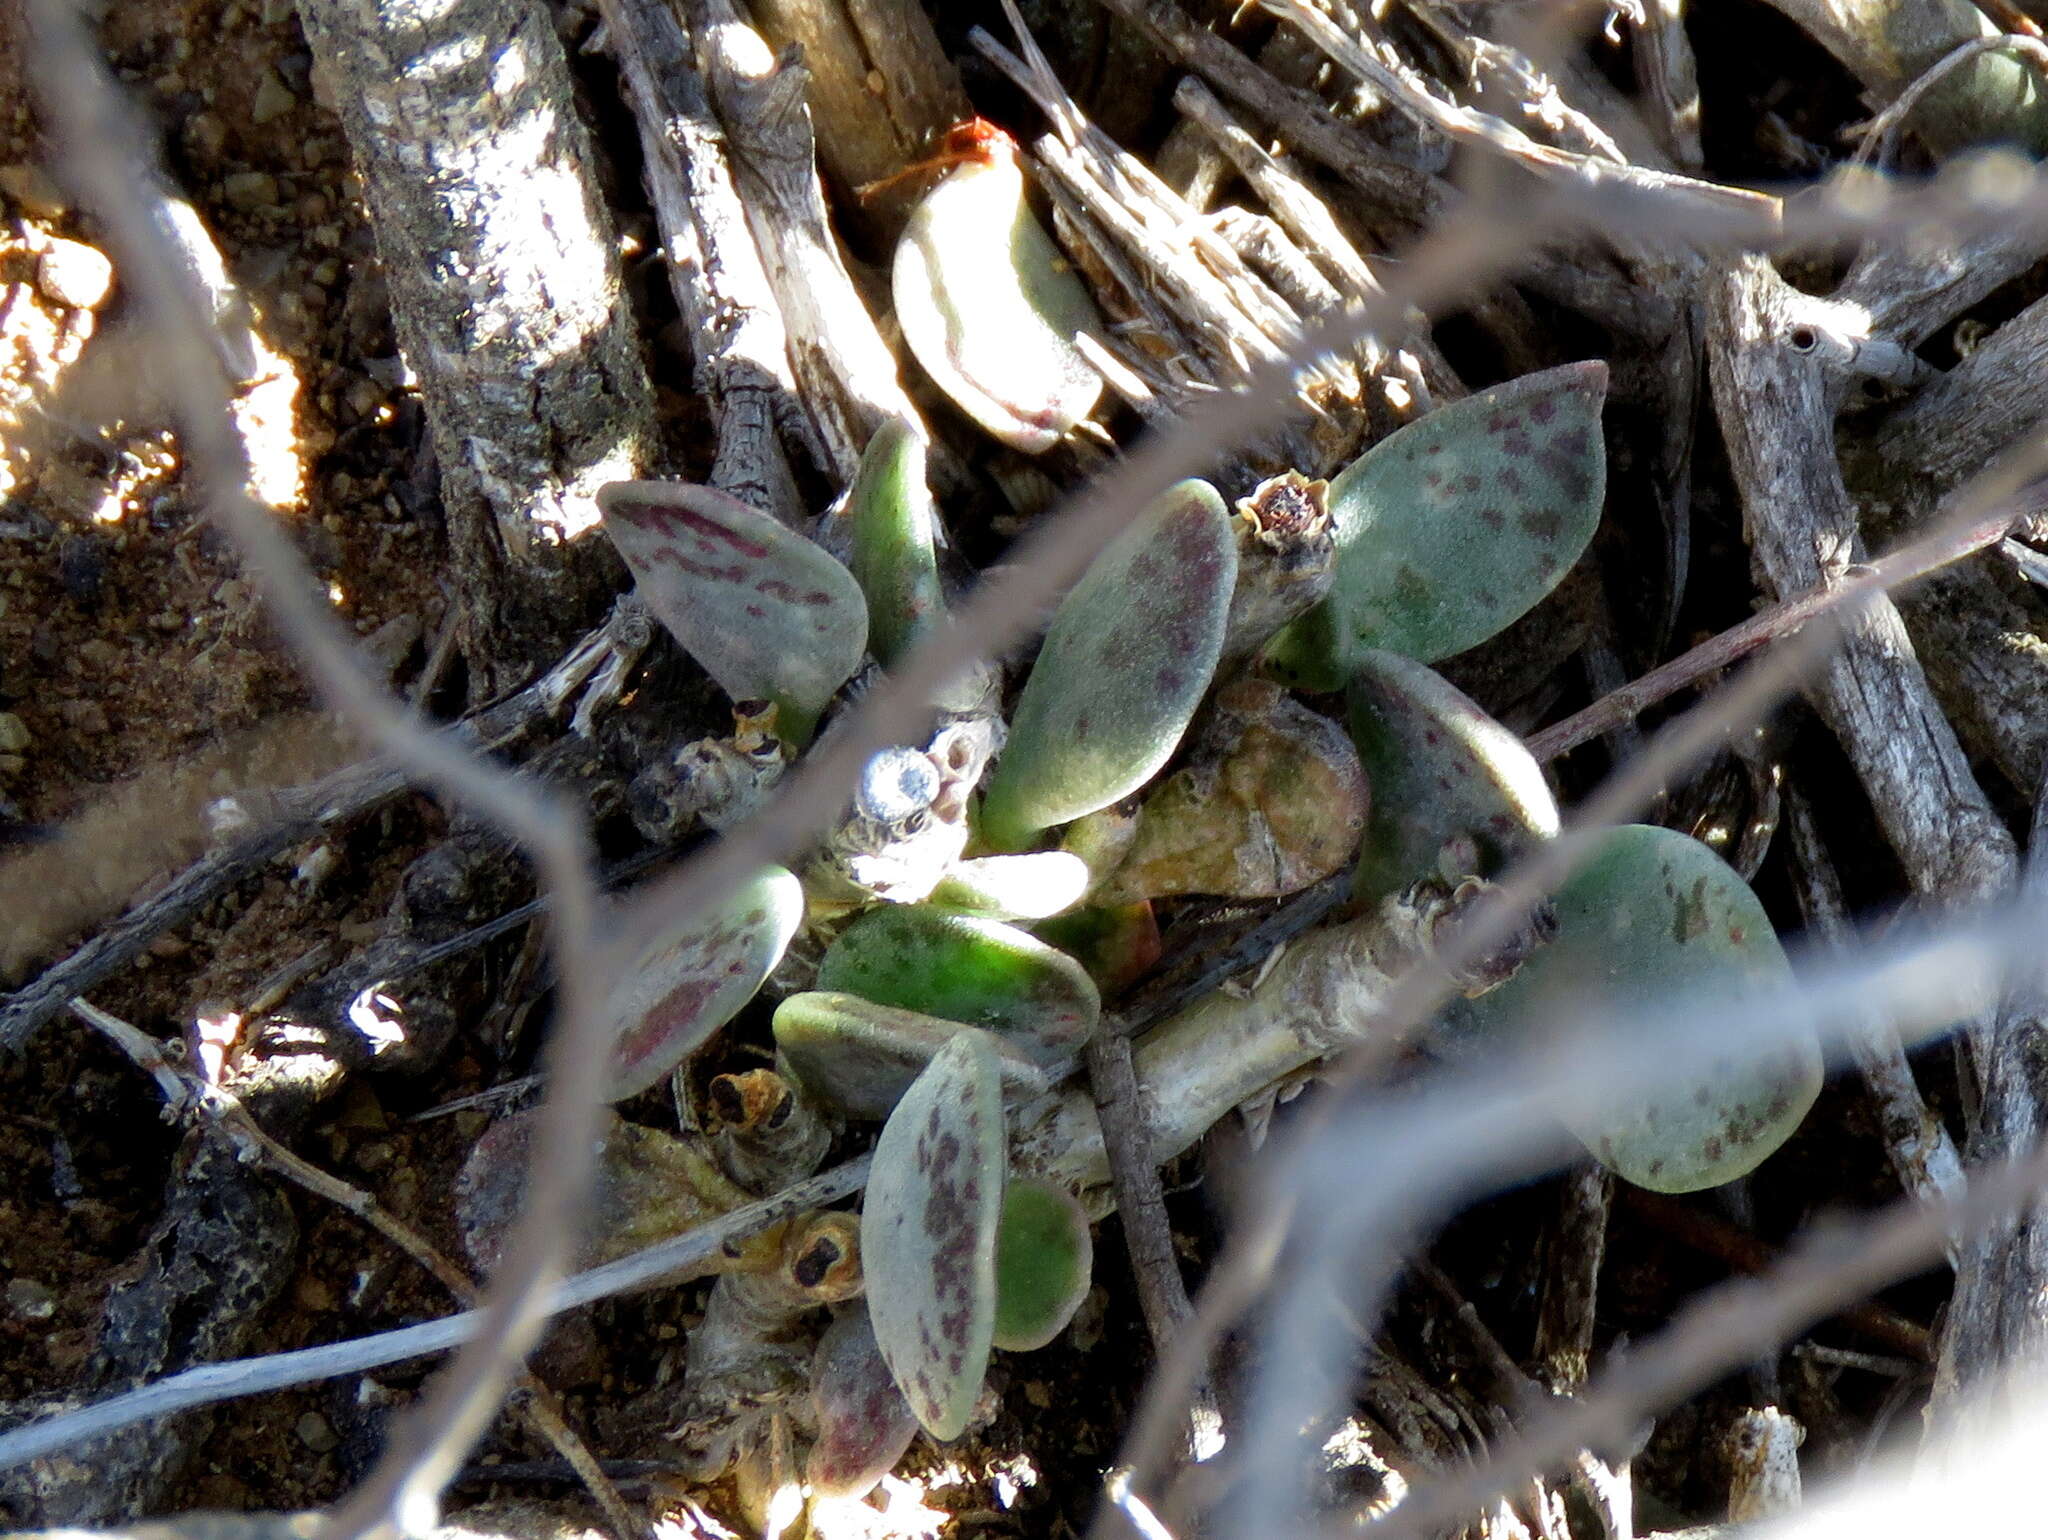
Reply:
x=1033, y=886
x=991, y=308
x=1441, y=770
x=1653, y=917
x=768, y=613
x=1125, y=663
x=861, y=1057
x=1045, y=1257
x=1454, y=527
x=1118, y=944
x=928, y=1233
x=894, y=541
x=688, y=982
x=967, y=968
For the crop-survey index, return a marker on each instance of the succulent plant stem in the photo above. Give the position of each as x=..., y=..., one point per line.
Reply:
x=1321, y=995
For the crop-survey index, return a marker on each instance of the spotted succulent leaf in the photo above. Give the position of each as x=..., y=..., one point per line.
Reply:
x=1441, y=771
x=928, y=1232
x=1454, y=527
x=769, y=614
x=686, y=983
x=970, y=969
x=1126, y=661
x=1649, y=917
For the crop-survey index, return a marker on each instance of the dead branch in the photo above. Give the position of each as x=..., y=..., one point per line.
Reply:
x=740, y=347
x=501, y=260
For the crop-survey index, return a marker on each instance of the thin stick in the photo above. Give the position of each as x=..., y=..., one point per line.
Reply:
x=194, y=1099
x=1921, y=1151
x=281, y=1371
x=1141, y=1208
x=1944, y=548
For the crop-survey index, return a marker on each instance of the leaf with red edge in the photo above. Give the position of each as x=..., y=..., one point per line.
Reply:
x=770, y=615
x=685, y=984
x=864, y=1424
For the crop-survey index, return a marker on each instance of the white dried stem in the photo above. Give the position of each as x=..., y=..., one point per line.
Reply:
x=846, y=373
x=739, y=343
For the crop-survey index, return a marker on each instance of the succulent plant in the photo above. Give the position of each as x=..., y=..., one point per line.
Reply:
x=1045, y=1257
x=1441, y=770
x=929, y=1011
x=684, y=985
x=1032, y=886
x=864, y=1423
x=894, y=541
x=859, y=1057
x=1271, y=799
x=1455, y=526
x=928, y=1232
x=968, y=969
x=767, y=612
x=1126, y=661
x=987, y=303
x=1650, y=916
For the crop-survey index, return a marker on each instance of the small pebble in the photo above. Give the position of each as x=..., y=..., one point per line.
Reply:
x=74, y=274
x=88, y=717
x=317, y=1433
x=81, y=567
x=250, y=190
x=14, y=735
x=31, y=190
x=31, y=1299
x=11, y=766
x=273, y=99
x=207, y=134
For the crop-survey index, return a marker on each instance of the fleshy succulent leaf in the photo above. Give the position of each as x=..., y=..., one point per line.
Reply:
x=687, y=983
x=1652, y=916
x=991, y=309
x=860, y=1057
x=1033, y=886
x=1271, y=799
x=864, y=1423
x=1455, y=526
x=894, y=532
x=970, y=969
x=1441, y=770
x=1045, y=1256
x=1118, y=944
x=769, y=614
x=928, y=1232
x=1125, y=663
